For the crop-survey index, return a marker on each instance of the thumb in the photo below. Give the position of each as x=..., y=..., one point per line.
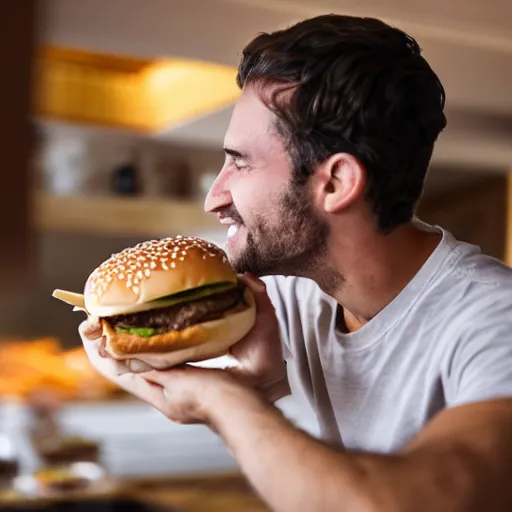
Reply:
x=91, y=329
x=253, y=282
x=259, y=291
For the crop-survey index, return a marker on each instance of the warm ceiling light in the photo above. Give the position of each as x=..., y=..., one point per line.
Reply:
x=140, y=94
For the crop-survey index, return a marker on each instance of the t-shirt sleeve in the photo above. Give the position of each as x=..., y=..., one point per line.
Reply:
x=480, y=366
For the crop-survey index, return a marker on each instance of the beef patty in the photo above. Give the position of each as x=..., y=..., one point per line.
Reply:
x=180, y=316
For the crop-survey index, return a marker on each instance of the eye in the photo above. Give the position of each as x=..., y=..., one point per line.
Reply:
x=240, y=163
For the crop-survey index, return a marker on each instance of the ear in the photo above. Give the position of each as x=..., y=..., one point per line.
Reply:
x=343, y=180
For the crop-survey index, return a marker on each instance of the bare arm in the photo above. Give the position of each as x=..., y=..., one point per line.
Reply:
x=461, y=462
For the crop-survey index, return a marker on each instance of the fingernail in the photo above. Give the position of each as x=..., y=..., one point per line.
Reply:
x=257, y=281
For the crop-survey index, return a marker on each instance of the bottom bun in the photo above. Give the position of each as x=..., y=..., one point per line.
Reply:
x=196, y=343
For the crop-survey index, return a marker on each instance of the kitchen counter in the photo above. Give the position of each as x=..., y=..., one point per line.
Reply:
x=219, y=493
x=206, y=493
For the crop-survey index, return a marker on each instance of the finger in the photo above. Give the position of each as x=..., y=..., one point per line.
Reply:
x=137, y=366
x=254, y=283
x=145, y=390
x=259, y=291
x=91, y=328
x=162, y=377
x=241, y=375
x=106, y=366
x=111, y=369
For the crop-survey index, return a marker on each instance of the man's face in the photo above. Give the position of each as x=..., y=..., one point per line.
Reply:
x=273, y=226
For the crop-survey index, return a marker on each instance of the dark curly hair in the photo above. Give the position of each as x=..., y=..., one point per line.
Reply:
x=355, y=85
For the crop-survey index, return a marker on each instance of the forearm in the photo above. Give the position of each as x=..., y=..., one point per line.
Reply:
x=288, y=468
x=293, y=471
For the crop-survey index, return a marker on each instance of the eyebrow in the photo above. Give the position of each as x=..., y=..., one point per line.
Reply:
x=234, y=153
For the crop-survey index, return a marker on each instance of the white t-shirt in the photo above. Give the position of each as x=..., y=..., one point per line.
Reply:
x=445, y=340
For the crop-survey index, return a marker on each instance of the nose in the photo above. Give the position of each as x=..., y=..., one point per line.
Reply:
x=218, y=196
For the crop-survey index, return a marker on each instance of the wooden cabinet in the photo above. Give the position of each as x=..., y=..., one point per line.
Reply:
x=476, y=214
x=16, y=54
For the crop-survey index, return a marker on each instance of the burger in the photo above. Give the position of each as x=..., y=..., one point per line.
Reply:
x=167, y=302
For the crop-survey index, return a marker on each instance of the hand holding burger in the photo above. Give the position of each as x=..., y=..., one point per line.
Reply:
x=192, y=310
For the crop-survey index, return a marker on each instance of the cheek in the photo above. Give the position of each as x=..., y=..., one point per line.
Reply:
x=251, y=199
x=257, y=196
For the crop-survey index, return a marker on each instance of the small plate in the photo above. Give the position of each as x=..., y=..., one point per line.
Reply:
x=94, y=481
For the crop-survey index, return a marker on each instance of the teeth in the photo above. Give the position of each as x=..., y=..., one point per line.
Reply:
x=232, y=230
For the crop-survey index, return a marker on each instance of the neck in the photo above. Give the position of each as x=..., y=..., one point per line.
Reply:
x=375, y=269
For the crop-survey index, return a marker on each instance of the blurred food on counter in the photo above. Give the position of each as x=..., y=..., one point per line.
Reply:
x=54, y=447
x=54, y=451
x=59, y=479
x=31, y=369
x=9, y=464
x=75, y=477
x=8, y=469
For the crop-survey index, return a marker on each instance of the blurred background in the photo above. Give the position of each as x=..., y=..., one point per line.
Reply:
x=113, y=114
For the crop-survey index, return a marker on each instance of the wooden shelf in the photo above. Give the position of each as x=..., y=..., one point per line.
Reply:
x=121, y=216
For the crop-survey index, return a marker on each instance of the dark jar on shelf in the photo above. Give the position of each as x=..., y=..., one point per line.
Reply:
x=125, y=180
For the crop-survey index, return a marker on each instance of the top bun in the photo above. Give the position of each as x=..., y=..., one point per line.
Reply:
x=129, y=280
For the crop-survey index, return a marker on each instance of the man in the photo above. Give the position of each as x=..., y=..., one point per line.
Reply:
x=401, y=336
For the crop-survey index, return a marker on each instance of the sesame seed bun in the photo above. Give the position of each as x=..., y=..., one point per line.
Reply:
x=129, y=280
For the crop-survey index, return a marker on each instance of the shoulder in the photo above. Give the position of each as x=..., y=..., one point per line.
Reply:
x=472, y=307
x=477, y=332
x=483, y=269
x=481, y=288
x=472, y=282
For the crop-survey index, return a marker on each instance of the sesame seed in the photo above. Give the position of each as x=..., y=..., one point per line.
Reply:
x=134, y=264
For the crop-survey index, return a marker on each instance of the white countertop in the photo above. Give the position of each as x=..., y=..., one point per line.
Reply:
x=137, y=439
